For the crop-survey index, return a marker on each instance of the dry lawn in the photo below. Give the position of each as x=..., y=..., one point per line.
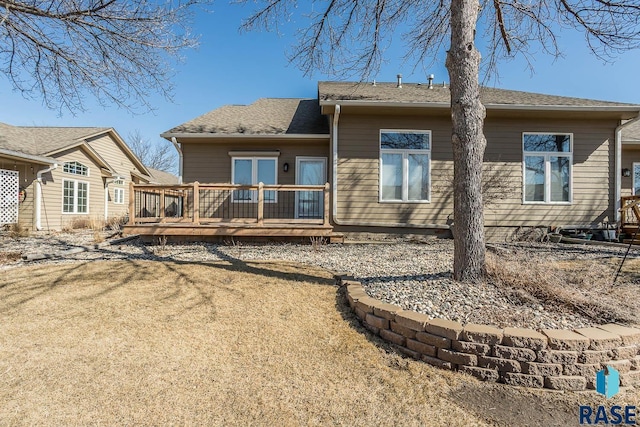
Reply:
x=159, y=343
x=155, y=343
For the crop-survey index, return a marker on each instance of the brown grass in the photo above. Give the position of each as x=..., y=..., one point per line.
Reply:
x=583, y=286
x=150, y=343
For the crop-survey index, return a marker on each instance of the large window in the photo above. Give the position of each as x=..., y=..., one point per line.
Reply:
x=547, y=167
x=251, y=171
x=75, y=168
x=75, y=197
x=404, y=165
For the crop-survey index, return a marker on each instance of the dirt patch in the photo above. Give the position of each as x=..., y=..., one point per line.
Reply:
x=507, y=406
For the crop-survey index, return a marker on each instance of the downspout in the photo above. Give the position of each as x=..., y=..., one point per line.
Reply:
x=106, y=198
x=175, y=143
x=618, y=165
x=38, y=201
x=334, y=169
x=334, y=183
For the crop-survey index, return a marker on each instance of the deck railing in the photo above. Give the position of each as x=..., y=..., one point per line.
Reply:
x=630, y=210
x=229, y=203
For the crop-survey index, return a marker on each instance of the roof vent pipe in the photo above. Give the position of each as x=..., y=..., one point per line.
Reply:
x=431, y=77
x=399, y=76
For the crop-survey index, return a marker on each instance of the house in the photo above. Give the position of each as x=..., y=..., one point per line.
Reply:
x=385, y=151
x=631, y=159
x=62, y=174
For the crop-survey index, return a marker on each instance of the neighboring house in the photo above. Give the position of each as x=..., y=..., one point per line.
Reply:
x=162, y=177
x=64, y=174
x=386, y=151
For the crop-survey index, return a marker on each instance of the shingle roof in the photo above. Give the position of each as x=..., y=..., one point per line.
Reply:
x=42, y=140
x=162, y=177
x=415, y=92
x=631, y=133
x=266, y=116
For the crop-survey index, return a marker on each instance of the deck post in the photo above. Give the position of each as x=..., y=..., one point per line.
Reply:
x=162, y=207
x=327, y=187
x=260, y=204
x=132, y=204
x=185, y=203
x=196, y=202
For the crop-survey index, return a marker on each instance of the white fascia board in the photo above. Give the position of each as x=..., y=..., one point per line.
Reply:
x=285, y=136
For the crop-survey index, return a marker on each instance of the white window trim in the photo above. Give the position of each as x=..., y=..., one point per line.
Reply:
x=633, y=177
x=76, y=174
x=115, y=197
x=254, y=177
x=547, y=169
x=75, y=197
x=405, y=166
x=118, y=182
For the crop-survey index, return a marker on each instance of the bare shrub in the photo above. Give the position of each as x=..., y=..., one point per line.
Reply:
x=7, y=257
x=580, y=286
x=115, y=223
x=17, y=231
x=161, y=247
x=317, y=242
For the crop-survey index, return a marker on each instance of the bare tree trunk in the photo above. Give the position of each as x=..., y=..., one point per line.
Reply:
x=467, y=115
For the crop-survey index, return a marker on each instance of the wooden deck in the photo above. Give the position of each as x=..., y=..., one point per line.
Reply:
x=279, y=211
x=630, y=218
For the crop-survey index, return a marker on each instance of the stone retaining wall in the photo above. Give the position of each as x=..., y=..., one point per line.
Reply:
x=550, y=358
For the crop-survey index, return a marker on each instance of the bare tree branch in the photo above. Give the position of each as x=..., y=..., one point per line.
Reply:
x=114, y=50
x=159, y=156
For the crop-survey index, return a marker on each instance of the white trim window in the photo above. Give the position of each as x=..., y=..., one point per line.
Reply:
x=118, y=196
x=635, y=171
x=547, y=167
x=405, y=166
x=75, y=197
x=251, y=171
x=75, y=168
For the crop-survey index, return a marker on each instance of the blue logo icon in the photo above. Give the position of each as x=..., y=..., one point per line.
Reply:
x=608, y=383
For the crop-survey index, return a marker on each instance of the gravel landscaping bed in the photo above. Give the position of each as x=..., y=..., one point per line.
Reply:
x=416, y=276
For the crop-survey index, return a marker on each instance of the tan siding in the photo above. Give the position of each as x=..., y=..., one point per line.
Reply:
x=52, y=216
x=27, y=175
x=209, y=162
x=111, y=152
x=358, y=172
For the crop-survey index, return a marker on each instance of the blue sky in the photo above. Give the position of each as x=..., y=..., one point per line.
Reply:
x=230, y=67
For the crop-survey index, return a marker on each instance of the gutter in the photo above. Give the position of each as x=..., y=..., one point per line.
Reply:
x=618, y=165
x=176, y=144
x=106, y=194
x=447, y=105
x=209, y=135
x=22, y=156
x=38, y=201
x=334, y=185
